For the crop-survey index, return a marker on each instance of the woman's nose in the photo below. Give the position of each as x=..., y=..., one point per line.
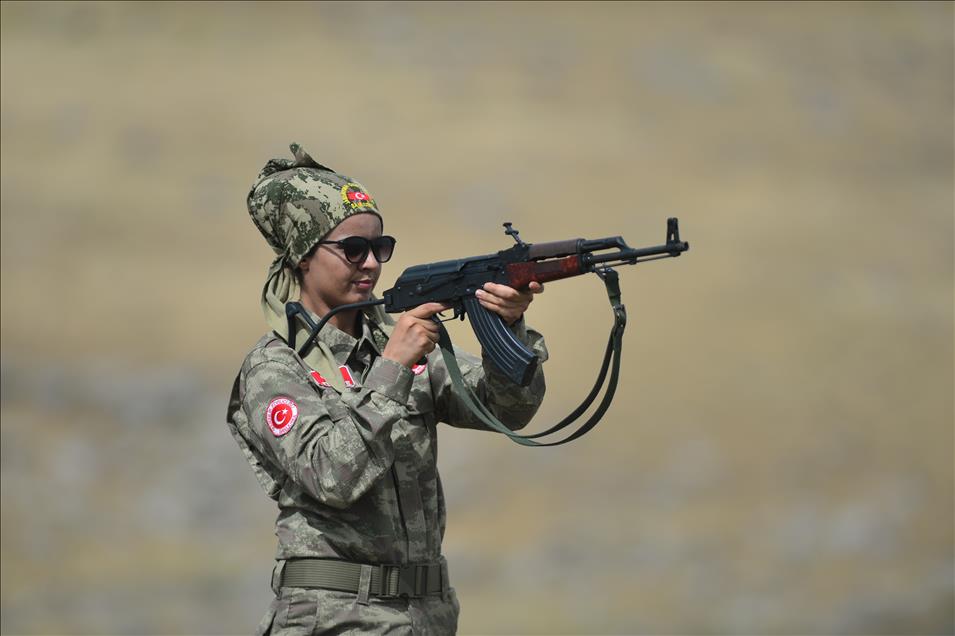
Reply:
x=370, y=262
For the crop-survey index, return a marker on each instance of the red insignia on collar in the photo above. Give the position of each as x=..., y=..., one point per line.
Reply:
x=319, y=379
x=280, y=415
x=418, y=369
x=347, y=376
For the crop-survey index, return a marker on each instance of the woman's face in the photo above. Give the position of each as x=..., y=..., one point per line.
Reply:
x=329, y=279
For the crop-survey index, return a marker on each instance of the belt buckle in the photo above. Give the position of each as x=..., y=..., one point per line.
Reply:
x=412, y=580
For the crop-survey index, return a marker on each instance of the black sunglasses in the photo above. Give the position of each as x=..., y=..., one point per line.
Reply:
x=356, y=248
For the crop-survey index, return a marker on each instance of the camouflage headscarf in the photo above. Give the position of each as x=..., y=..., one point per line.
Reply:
x=295, y=203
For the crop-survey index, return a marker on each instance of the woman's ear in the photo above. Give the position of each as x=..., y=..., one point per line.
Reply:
x=303, y=266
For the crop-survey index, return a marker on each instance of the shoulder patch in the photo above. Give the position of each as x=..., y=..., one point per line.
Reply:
x=280, y=415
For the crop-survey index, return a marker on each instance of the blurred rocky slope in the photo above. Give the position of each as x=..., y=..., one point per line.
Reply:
x=780, y=459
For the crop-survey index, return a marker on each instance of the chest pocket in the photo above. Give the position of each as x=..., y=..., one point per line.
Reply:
x=334, y=406
x=420, y=403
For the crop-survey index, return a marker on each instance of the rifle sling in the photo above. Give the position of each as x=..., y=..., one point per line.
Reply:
x=611, y=359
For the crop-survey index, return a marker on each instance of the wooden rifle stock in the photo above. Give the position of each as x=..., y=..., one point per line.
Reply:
x=520, y=275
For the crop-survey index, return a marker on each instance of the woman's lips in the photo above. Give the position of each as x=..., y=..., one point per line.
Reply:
x=364, y=285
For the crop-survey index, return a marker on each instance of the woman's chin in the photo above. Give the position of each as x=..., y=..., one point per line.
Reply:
x=359, y=296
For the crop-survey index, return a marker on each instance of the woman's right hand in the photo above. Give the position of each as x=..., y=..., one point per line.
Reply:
x=414, y=336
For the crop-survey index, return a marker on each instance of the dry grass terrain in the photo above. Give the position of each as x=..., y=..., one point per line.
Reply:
x=780, y=456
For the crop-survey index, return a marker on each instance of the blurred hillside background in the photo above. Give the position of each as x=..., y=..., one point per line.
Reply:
x=780, y=457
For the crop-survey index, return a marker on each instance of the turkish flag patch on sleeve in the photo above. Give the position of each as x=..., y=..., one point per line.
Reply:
x=280, y=415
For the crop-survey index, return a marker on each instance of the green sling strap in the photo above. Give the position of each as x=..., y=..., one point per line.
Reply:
x=611, y=359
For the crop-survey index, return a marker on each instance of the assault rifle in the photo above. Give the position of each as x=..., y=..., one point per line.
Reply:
x=454, y=283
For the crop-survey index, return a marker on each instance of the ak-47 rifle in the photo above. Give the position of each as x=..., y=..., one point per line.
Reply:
x=454, y=283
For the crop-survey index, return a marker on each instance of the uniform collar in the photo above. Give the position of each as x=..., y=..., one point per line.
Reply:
x=349, y=350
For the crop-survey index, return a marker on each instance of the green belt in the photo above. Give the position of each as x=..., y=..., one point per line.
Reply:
x=413, y=580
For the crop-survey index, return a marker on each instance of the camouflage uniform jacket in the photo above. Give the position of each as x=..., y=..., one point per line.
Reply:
x=355, y=474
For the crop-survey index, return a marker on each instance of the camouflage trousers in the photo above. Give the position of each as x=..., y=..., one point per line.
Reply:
x=301, y=612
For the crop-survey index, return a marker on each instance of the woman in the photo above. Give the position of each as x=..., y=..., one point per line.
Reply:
x=345, y=439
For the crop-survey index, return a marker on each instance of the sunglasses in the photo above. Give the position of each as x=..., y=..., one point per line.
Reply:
x=356, y=248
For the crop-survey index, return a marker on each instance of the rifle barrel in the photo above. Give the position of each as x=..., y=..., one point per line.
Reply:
x=631, y=255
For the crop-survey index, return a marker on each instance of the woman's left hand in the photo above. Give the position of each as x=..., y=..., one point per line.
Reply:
x=507, y=302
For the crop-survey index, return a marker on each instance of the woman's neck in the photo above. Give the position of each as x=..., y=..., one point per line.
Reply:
x=346, y=321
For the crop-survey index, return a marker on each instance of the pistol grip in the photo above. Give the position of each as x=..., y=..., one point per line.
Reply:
x=509, y=354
